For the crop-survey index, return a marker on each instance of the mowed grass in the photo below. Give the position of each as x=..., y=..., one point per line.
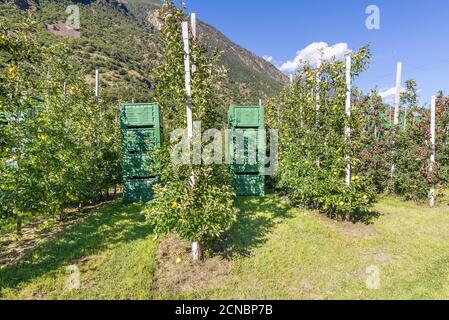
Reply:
x=277, y=252
x=113, y=249
x=303, y=255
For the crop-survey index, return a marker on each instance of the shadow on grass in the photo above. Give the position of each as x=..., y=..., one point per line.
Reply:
x=110, y=225
x=257, y=218
x=366, y=217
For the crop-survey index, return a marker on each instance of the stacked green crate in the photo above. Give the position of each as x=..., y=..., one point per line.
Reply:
x=141, y=133
x=247, y=149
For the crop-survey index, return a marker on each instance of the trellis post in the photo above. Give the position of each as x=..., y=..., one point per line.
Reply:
x=433, y=150
x=193, y=25
x=397, y=101
x=185, y=37
x=397, y=104
x=196, y=248
x=348, y=115
x=97, y=85
x=318, y=106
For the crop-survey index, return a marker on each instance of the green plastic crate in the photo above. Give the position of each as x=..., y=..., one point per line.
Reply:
x=246, y=117
x=253, y=148
x=139, y=115
x=138, y=190
x=137, y=165
x=249, y=185
x=141, y=140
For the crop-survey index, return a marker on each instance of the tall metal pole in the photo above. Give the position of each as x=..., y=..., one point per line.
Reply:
x=348, y=115
x=433, y=152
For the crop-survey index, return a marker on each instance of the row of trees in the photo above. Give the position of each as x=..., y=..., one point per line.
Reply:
x=311, y=120
x=58, y=147
x=407, y=146
x=384, y=158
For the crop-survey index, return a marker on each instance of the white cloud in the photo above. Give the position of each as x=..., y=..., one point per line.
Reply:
x=268, y=58
x=315, y=52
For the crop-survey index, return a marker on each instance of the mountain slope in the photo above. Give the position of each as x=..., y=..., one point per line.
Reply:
x=121, y=39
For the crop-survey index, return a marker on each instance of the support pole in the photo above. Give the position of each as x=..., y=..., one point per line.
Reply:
x=97, y=85
x=185, y=37
x=193, y=25
x=318, y=106
x=397, y=100
x=196, y=248
x=348, y=115
x=433, y=151
x=318, y=81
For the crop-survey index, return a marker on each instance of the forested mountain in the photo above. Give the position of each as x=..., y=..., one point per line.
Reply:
x=121, y=39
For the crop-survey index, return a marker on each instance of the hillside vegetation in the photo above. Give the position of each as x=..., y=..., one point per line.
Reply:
x=121, y=39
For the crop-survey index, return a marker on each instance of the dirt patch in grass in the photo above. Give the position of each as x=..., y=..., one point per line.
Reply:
x=348, y=229
x=177, y=273
x=61, y=29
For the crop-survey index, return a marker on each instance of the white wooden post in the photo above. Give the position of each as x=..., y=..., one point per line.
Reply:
x=318, y=81
x=185, y=37
x=348, y=115
x=97, y=85
x=196, y=248
x=318, y=106
x=397, y=101
x=193, y=25
x=291, y=78
x=432, y=155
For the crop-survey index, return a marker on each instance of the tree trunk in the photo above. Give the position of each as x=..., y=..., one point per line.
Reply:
x=19, y=226
x=61, y=215
x=196, y=251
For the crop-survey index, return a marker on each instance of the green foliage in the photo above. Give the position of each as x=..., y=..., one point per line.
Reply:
x=376, y=139
x=56, y=151
x=205, y=210
x=407, y=146
x=312, y=145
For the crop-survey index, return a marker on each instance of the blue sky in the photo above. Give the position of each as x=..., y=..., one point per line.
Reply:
x=413, y=32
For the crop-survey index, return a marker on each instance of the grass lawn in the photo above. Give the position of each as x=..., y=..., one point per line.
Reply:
x=273, y=252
